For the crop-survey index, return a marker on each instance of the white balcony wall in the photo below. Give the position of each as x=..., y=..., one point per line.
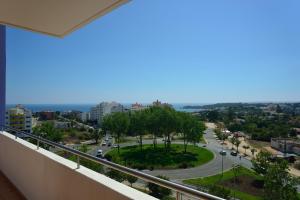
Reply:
x=40, y=174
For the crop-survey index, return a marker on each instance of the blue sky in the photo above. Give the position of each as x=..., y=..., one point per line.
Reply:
x=173, y=50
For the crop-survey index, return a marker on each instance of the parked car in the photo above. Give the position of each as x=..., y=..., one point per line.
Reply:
x=223, y=153
x=115, y=146
x=233, y=153
x=109, y=144
x=103, y=143
x=99, y=153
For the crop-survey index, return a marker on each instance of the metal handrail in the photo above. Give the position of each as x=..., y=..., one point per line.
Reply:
x=180, y=189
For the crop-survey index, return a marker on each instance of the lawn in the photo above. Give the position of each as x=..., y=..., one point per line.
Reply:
x=159, y=158
x=248, y=187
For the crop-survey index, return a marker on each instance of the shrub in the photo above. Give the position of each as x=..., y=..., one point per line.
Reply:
x=220, y=191
x=183, y=165
x=131, y=179
x=139, y=166
x=158, y=191
x=116, y=175
x=108, y=157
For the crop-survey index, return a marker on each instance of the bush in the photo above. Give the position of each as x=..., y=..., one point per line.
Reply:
x=183, y=165
x=116, y=175
x=158, y=191
x=131, y=179
x=108, y=157
x=220, y=191
x=139, y=166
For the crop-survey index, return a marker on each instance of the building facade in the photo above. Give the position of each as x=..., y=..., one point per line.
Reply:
x=19, y=118
x=137, y=107
x=85, y=116
x=98, y=112
x=286, y=145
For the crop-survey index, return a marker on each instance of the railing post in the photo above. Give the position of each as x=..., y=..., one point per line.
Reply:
x=78, y=162
x=2, y=75
x=38, y=144
x=178, y=195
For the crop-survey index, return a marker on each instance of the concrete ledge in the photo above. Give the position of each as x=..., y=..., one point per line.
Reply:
x=40, y=174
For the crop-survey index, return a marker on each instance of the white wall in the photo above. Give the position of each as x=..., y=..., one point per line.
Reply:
x=40, y=174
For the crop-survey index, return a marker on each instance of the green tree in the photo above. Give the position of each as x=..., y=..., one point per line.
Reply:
x=48, y=131
x=278, y=183
x=196, y=133
x=253, y=151
x=237, y=144
x=213, y=116
x=185, y=126
x=233, y=140
x=168, y=126
x=261, y=163
x=138, y=125
x=153, y=123
x=116, y=175
x=96, y=134
x=131, y=179
x=118, y=123
x=83, y=148
x=158, y=191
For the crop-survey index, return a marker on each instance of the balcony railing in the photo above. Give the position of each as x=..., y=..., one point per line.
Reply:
x=179, y=189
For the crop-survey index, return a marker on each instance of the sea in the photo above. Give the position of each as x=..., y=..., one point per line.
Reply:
x=87, y=107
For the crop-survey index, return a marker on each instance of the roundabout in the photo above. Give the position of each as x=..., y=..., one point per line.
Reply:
x=160, y=158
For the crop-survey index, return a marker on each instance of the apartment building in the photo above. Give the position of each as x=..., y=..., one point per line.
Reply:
x=98, y=112
x=85, y=116
x=19, y=118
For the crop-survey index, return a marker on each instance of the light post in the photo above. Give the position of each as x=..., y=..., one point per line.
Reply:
x=223, y=151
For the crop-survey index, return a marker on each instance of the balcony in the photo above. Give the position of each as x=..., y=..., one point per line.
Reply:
x=40, y=174
x=8, y=190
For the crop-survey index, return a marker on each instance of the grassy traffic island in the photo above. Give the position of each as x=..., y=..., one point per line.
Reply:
x=160, y=158
x=242, y=183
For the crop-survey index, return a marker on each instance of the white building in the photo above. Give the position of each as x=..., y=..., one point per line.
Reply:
x=99, y=111
x=85, y=116
x=19, y=118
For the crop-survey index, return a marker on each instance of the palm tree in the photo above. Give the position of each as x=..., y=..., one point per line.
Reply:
x=237, y=143
x=232, y=140
x=253, y=151
x=246, y=147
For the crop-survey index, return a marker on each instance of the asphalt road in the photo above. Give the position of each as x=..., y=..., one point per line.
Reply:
x=211, y=168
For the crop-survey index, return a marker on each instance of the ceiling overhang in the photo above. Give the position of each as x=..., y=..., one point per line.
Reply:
x=54, y=17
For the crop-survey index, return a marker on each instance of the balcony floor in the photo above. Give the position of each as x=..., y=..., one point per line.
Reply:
x=8, y=191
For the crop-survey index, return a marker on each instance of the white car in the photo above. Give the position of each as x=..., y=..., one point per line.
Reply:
x=99, y=153
x=115, y=146
x=103, y=143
